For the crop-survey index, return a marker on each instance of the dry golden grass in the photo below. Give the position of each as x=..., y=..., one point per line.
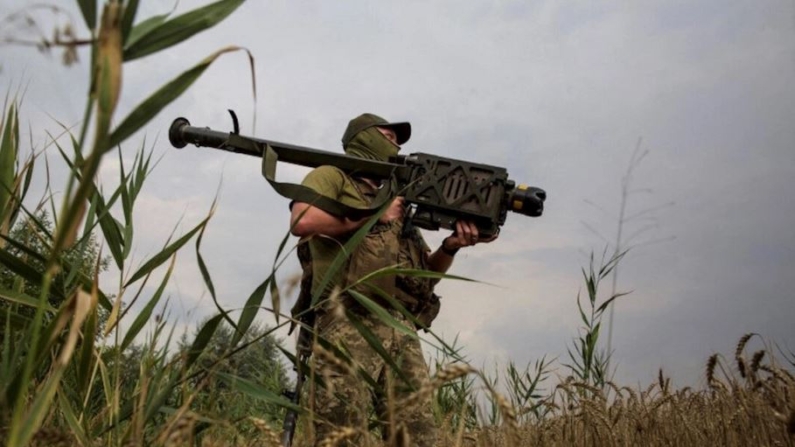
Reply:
x=754, y=407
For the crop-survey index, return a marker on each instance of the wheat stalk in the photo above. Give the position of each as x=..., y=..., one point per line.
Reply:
x=179, y=432
x=508, y=415
x=336, y=437
x=271, y=438
x=738, y=354
x=711, y=363
x=756, y=360
x=448, y=373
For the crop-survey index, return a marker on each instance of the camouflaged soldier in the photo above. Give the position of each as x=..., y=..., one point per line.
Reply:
x=346, y=400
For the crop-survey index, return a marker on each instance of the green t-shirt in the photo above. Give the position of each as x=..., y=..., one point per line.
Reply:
x=334, y=184
x=331, y=182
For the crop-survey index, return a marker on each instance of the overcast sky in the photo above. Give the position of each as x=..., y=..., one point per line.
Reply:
x=560, y=93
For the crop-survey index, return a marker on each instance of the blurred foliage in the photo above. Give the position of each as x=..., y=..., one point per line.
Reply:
x=61, y=367
x=256, y=359
x=33, y=238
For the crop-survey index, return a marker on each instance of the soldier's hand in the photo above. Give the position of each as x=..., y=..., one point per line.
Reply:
x=395, y=211
x=465, y=235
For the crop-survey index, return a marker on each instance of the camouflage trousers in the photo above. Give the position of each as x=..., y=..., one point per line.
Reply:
x=347, y=401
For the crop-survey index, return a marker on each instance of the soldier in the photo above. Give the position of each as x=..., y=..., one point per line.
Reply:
x=345, y=399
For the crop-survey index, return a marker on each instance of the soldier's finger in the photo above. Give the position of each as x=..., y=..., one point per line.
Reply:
x=473, y=231
x=459, y=233
x=466, y=232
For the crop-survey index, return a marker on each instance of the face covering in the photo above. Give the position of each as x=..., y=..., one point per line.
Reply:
x=372, y=145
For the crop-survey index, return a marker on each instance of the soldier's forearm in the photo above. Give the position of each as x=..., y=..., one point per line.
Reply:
x=441, y=260
x=308, y=220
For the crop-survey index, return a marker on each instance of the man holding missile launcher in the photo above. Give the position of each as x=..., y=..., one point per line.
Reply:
x=342, y=315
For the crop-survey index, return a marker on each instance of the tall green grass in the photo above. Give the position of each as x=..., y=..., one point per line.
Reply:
x=60, y=367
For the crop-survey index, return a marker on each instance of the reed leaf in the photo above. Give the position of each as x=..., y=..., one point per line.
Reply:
x=83, y=303
x=21, y=298
x=74, y=211
x=8, y=157
x=48, y=334
x=134, y=181
x=22, y=430
x=115, y=314
x=27, y=418
x=155, y=404
x=203, y=339
x=164, y=33
x=257, y=391
x=86, y=357
x=382, y=313
x=152, y=105
x=110, y=230
x=395, y=304
x=207, y=279
x=24, y=250
x=582, y=312
x=88, y=224
x=72, y=420
x=418, y=273
x=128, y=18
x=126, y=200
x=275, y=297
x=250, y=310
x=254, y=301
x=27, y=176
x=611, y=264
x=145, y=27
x=166, y=253
x=590, y=282
x=20, y=268
x=274, y=289
x=345, y=252
x=375, y=343
x=146, y=313
x=89, y=10
x=607, y=302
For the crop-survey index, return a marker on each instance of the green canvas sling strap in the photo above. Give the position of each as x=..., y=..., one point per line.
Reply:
x=300, y=193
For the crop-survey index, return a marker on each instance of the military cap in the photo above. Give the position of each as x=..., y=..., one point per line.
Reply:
x=368, y=120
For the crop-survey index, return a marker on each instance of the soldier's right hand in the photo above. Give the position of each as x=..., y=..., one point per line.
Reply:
x=395, y=211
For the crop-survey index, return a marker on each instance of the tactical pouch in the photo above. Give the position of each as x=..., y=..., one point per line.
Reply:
x=416, y=292
x=428, y=312
x=300, y=309
x=378, y=250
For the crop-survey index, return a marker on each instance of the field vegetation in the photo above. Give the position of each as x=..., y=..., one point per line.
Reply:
x=83, y=364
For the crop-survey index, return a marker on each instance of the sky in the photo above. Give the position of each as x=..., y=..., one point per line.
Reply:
x=562, y=94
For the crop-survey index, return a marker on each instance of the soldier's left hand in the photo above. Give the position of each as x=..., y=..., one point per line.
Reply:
x=465, y=235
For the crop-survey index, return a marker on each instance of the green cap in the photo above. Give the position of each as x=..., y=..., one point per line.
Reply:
x=368, y=120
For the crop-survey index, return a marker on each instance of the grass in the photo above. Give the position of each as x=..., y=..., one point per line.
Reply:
x=754, y=405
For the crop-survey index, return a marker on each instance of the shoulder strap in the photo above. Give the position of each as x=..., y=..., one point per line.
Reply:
x=301, y=193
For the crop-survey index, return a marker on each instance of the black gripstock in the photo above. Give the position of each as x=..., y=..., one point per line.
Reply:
x=438, y=190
